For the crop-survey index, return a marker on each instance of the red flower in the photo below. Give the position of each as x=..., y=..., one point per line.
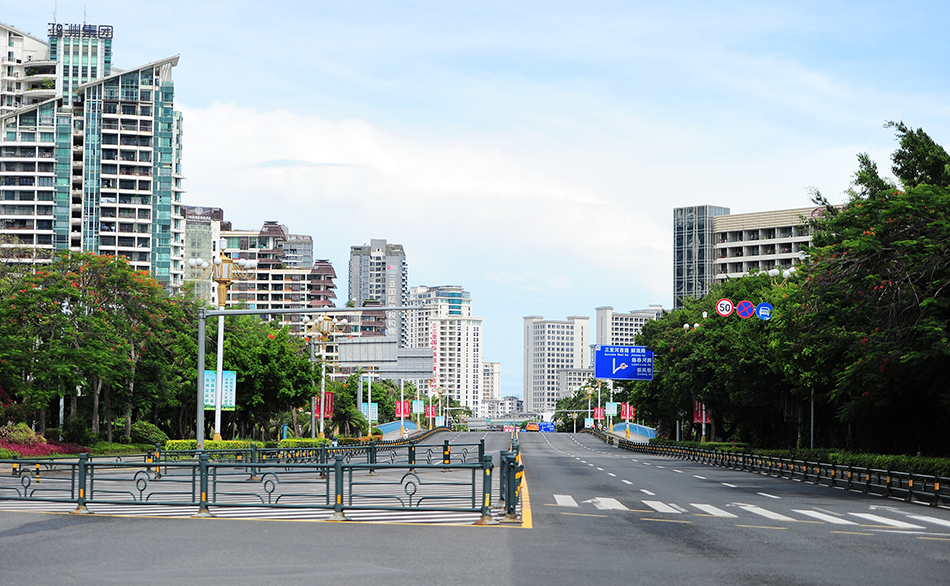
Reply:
x=271, y=336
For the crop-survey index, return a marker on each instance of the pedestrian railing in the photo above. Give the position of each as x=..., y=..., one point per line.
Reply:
x=906, y=485
x=341, y=479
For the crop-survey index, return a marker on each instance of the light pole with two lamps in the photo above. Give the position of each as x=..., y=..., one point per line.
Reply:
x=325, y=327
x=221, y=270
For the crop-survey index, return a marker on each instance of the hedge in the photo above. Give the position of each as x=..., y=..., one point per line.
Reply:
x=297, y=442
x=926, y=466
x=189, y=445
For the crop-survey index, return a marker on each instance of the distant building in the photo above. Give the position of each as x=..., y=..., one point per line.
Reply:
x=491, y=381
x=619, y=329
x=711, y=245
x=692, y=250
x=442, y=320
x=90, y=157
x=551, y=346
x=569, y=380
x=379, y=272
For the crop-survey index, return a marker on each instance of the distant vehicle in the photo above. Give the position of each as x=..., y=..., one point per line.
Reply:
x=531, y=427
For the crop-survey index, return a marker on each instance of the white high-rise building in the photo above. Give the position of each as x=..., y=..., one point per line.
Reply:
x=491, y=381
x=549, y=347
x=379, y=272
x=619, y=329
x=444, y=322
x=90, y=158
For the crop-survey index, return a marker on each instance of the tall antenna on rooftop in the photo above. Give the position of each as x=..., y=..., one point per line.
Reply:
x=54, y=12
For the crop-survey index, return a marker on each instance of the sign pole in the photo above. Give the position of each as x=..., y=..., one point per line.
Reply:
x=402, y=407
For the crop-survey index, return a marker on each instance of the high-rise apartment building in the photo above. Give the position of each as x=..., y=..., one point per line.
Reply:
x=491, y=381
x=549, y=347
x=90, y=158
x=378, y=272
x=442, y=320
x=711, y=245
x=620, y=329
x=761, y=241
x=692, y=250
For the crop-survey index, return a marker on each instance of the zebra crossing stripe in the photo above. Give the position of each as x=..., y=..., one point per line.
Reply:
x=607, y=504
x=824, y=517
x=714, y=511
x=765, y=513
x=565, y=500
x=943, y=522
x=660, y=507
x=886, y=521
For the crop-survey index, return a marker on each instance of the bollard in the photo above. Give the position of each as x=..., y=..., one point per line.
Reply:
x=372, y=457
x=15, y=468
x=37, y=473
x=81, y=502
x=910, y=487
x=158, y=461
x=253, y=477
x=503, y=476
x=887, y=487
x=486, y=518
x=446, y=455
x=481, y=449
x=412, y=454
x=936, y=502
x=203, y=511
x=338, y=489
x=513, y=484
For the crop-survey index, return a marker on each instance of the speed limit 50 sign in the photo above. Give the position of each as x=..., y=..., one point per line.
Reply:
x=724, y=307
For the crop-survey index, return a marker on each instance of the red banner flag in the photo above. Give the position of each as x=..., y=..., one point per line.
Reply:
x=327, y=405
x=599, y=413
x=627, y=411
x=431, y=410
x=402, y=408
x=698, y=413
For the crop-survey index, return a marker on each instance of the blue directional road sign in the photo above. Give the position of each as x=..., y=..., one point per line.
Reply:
x=764, y=311
x=623, y=363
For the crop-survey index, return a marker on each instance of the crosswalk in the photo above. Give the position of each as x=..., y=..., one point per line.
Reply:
x=252, y=512
x=740, y=510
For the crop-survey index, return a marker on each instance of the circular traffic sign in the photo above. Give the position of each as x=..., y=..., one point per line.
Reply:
x=764, y=311
x=745, y=309
x=724, y=307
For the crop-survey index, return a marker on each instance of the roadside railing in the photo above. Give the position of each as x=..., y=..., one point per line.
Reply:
x=512, y=473
x=905, y=485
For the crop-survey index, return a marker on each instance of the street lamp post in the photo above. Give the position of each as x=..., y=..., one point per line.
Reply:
x=326, y=327
x=222, y=271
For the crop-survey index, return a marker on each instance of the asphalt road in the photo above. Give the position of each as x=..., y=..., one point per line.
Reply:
x=597, y=514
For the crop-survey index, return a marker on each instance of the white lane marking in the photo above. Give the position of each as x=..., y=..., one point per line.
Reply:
x=660, y=507
x=677, y=471
x=714, y=511
x=886, y=521
x=943, y=522
x=771, y=496
x=611, y=474
x=729, y=485
x=565, y=500
x=627, y=482
x=607, y=504
x=601, y=469
x=699, y=477
x=658, y=466
x=824, y=517
x=589, y=464
x=765, y=513
x=647, y=492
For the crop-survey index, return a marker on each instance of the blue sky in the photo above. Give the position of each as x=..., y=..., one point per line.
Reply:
x=531, y=152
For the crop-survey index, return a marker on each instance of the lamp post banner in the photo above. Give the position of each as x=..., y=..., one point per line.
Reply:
x=418, y=406
x=229, y=382
x=402, y=408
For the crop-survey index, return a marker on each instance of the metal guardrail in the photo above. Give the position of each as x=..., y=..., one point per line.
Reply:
x=906, y=485
x=318, y=478
x=512, y=474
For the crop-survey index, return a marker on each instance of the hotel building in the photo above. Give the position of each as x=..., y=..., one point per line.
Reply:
x=551, y=346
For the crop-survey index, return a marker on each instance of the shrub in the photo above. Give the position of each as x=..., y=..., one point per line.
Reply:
x=53, y=434
x=144, y=432
x=6, y=454
x=186, y=445
x=303, y=443
x=77, y=433
x=21, y=434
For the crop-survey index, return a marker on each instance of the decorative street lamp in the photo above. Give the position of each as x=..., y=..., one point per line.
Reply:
x=325, y=327
x=221, y=270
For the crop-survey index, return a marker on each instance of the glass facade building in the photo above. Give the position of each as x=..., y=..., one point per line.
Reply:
x=692, y=251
